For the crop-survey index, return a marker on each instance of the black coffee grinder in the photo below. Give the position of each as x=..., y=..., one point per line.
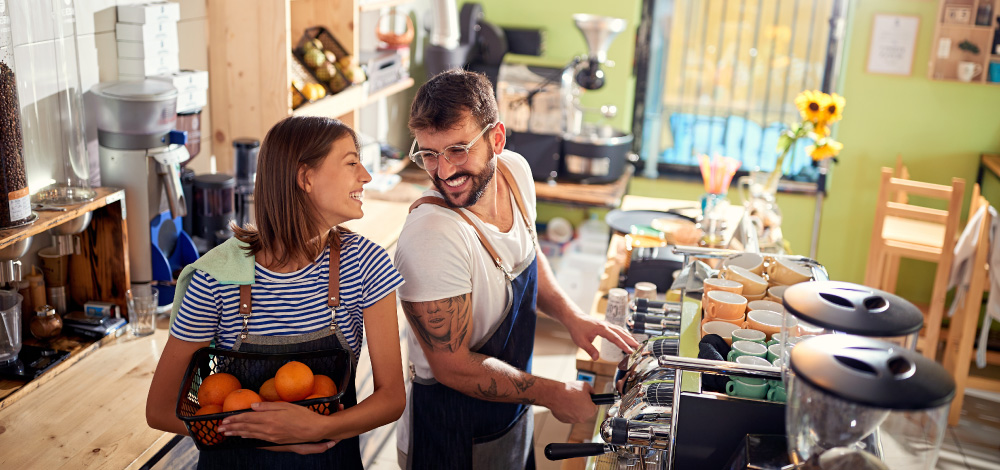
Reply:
x=245, y=150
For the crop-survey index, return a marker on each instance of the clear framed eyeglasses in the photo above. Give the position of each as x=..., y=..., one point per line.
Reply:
x=456, y=154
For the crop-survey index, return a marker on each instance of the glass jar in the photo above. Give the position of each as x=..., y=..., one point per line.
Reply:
x=15, y=204
x=47, y=323
x=72, y=176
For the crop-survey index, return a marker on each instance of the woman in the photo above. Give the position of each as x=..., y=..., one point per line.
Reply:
x=309, y=180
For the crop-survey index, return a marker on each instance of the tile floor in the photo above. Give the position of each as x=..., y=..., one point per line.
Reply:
x=972, y=445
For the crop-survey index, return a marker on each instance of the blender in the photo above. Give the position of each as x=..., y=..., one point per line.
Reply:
x=141, y=151
x=861, y=403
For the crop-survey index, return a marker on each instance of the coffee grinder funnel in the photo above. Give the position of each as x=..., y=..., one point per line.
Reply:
x=598, y=31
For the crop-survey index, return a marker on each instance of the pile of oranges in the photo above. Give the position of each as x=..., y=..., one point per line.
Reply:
x=294, y=381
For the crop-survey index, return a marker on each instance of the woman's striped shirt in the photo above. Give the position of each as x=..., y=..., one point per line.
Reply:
x=290, y=303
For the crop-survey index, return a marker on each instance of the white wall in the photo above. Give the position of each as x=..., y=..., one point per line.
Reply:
x=34, y=52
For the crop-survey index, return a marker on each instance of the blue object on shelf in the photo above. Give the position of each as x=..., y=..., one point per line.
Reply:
x=171, y=250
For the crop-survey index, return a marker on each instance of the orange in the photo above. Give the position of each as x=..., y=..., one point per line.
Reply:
x=324, y=386
x=216, y=387
x=294, y=381
x=267, y=391
x=240, y=400
x=209, y=410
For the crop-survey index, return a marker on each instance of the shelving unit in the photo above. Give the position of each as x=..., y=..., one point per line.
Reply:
x=99, y=272
x=250, y=59
x=945, y=59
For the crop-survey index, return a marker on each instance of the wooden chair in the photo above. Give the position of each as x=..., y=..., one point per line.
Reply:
x=901, y=172
x=962, y=332
x=904, y=230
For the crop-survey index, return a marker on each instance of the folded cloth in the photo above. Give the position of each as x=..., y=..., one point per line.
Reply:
x=963, y=266
x=228, y=263
x=714, y=348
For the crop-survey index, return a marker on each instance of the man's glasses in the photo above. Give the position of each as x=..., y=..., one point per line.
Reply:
x=456, y=154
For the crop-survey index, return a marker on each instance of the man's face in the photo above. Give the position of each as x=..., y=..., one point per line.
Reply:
x=461, y=185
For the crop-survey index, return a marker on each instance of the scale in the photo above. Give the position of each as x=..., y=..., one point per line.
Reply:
x=31, y=362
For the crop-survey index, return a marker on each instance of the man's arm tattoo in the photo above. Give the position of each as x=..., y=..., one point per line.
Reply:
x=449, y=319
x=490, y=392
x=523, y=383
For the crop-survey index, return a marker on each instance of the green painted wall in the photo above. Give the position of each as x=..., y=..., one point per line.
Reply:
x=563, y=41
x=939, y=128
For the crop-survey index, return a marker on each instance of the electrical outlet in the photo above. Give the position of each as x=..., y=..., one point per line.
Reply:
x=944, y=48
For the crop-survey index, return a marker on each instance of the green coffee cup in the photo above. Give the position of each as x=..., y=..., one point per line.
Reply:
x=746, y=348
x=737, y=388
x=754, y=336
x=773, y=352
x=778, y=394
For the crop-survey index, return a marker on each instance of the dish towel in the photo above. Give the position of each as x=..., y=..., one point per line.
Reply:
x=228, y=263
x=962, y=269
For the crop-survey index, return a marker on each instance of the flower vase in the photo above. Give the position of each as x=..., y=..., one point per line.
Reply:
x=758, y=192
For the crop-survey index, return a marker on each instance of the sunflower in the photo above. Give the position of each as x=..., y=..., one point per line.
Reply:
x=824, y=148
x=820, y=129
x=811, y=104
x=833, y=110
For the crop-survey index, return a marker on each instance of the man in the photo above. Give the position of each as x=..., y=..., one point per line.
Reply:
x=473, y=275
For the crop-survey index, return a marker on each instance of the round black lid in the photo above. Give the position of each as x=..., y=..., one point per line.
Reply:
x=247, y=142
x=870, y=372
x=852, y=308
x=215, y=181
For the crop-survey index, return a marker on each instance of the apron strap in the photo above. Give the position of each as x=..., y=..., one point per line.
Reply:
x=333, y=289
x=518, y=201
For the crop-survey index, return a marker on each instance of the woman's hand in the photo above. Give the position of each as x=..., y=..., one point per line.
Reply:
x=280, y=423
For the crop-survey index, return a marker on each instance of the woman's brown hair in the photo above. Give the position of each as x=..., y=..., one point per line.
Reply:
x=288, y=227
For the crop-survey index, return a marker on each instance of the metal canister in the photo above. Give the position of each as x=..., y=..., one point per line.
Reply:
x=615, y=314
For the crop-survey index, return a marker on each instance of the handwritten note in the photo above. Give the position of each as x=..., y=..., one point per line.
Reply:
x=894, y=38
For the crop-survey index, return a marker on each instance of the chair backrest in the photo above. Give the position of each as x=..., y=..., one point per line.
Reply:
x=977, y=200
x=902, y=172
x=890, y=208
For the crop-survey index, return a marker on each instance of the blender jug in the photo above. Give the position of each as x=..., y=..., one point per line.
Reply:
x=10, y=326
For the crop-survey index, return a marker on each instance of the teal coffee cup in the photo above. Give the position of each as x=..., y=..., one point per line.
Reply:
x=773, y=352
x=746, y=348
x=754, y=336
x=777, y=394
x=738, y=388
x=753, y=361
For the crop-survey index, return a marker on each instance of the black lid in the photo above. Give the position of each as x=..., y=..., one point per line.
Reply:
x=870, y=372
x=852, y=308
x=215, y=181
x=246, y=142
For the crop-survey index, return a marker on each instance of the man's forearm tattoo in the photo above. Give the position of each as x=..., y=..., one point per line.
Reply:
x=491, y=392
x=441, y=324
x=523, y=383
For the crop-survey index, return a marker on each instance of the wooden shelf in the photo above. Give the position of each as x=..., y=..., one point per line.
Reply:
x=390, y=90
x=49, y=219
x=379, y=4
x=335, y=105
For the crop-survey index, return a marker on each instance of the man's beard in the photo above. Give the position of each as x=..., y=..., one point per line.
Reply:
x=477, y=182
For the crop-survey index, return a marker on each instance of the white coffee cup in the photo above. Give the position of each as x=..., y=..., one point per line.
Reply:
x=968, y=70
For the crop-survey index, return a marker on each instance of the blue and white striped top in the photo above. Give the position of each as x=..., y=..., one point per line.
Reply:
x=290, y=303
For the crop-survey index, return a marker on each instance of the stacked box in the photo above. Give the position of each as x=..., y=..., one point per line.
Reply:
x=147, y=39
x=192, y=88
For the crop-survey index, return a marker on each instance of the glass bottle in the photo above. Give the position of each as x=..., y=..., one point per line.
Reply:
x=15, y=205
x=72, y=177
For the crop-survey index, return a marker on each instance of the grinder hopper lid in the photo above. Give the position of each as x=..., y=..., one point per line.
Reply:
x=852, y=308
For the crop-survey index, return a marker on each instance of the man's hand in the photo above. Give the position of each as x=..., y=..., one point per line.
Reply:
x=572, y=404
x=583, y=329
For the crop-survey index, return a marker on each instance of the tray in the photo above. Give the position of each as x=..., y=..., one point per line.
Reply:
x=331, y=44
x=252, y=369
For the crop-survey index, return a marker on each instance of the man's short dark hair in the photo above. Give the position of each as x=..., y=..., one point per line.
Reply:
x=442, y=101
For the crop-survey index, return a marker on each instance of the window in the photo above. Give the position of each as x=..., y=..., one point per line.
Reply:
x=721, y=76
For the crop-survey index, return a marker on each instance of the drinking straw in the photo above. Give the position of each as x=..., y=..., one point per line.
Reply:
x=706, y=177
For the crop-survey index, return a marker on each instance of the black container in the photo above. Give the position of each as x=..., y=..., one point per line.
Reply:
x=542, y=151
x=252, y=370
x=593, y=159
x=245, y=151
x=214, y=206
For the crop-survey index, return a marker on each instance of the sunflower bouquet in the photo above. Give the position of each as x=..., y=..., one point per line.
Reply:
x=819, y=110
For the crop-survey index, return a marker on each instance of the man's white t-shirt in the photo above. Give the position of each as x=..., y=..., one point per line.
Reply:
x=440, y=256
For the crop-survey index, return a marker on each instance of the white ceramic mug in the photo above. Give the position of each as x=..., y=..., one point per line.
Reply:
x=968, y=70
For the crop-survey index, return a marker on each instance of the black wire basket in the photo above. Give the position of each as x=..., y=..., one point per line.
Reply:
x=338, y=81
x=252, y=370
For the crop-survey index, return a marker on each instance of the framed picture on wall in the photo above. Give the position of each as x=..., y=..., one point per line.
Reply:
x=893, y=41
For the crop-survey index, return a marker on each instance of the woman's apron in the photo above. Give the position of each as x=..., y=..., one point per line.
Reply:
x=347, y=453
x=452, y=430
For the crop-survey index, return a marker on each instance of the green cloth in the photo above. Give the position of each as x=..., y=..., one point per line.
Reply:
x=228, y=263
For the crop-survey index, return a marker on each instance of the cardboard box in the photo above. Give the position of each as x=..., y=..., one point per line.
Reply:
x=150, y=32
x=153, y=12
x=142, y=50
x=191, y=100
x=959, y=14
x=186, y=79
x=148, y=66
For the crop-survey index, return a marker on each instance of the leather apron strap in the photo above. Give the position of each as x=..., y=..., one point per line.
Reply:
x=333, y=289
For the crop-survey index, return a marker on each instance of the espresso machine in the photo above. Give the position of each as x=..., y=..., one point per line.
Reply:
x=141, y=151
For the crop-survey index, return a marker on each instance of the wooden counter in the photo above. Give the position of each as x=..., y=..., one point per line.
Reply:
x=92, y=414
